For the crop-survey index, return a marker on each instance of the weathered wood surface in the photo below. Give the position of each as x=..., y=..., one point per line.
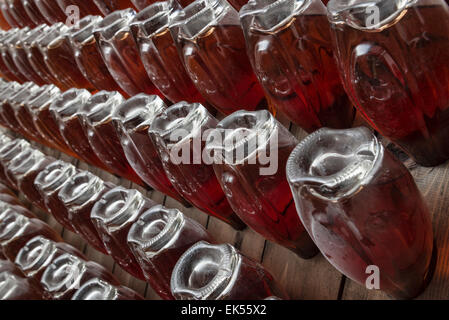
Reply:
x=302, y=279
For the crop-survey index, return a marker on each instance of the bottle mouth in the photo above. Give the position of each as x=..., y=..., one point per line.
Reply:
x=372, y=15
x=80, y=189
x=85, y=33
x=35, y=255
x=155, y=230
x=15, y=37
x=335, y=164
x=22, y=95
x=36, y=42
x=11, y=89
x=54, y=176
x=25, y=162
x=197, y=17
x=240, y=136
x=11, y=225
x=101, y=106
x=117, y=207
x=12, y=149
x=114, y=24
x=35, y=34
x=63, y=274
x=44, y=99
x=180, y=122
x=139, y=111
x=9, y=283
x=205, y=272
x=269, y=15
x=68, y=104
x=152, y=20
x=96, y=289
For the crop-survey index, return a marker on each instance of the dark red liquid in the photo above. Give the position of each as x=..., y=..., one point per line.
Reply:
x=25, y=119
x=124, y=64
x=6, y=73
x=7, y=15
x=218, y=64
x=37, y=61
x=51, y=11
x=165, y=68
x=238, y=4
x=19, y=14
x=11, y=66
x=398, y=80
x=33, y=12
x=296, y=67
x=393, y=227
x=58, y=210
x=27, y=187
x=4, y=25
x=265, y=203
x=23, y=65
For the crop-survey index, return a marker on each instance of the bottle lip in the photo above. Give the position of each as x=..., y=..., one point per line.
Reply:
x=12, y=224
x=35, y=255
x=156, y=229
x=44, y=99
x=139, y=111
x=25, y=162
x=153, y=19
x=269, y=15
x=96, y=289
x=188, y=117
x=68, y=103
x=249, y=131
x=114, y=23
x=346, y=12
x=12, y=149
x=63, y=274
x=15, y=37
x=85, y=31
x=22, y=95
x=80, y=189
x=117, y=207
x=356, y=164
x=198, y=16
x=225, y=274
x=54, y=176
x=100, y=107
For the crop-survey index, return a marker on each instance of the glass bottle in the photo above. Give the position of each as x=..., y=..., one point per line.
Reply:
x=4, y=25
x=17, y=11
x=157, y=239
x=88, y=56
x=220, y=272
x=13, y=287
x=49, y=182
x=160, y=55
x=67, y=273
x=51, y=11
x=8, y=266
x=38, y=253
x=33, y=12
x=395, y=70
x=10, y=39
x=113, y=214
x=11, y=89
x=64, y=110
x=79, y=195
x=96, y=119
x=212, y=46
x=250, y=151
x=290, y=47
x=7, y=153
x=16, y=230
x=120, y=53
x=23, y=169
x=7, y=14
x=179, y=134
x=362, y=208
x=4, y=70
x=131, y=120
x=97, y=289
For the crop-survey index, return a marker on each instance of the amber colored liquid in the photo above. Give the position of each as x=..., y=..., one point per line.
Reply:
x=8, y=266
x=33, y=229
x=27, y=187
x=20, y=15
x=124, y=64
x=83, y=225
x=158, y=269
x=220, y=69
x=265, y=203
x=86, y=7
x=6, y=73
x=23, y=65
x=238, y=4
x=33, y=12
x=4, y=25
x=398, y=80
x=37, y=61
x=74, y=135
x=165, y=68
x=9, y=116
x=92, y=66
x=49, y=128
x=297, y=70
x=11, y=66
x=143, y=157
x=51, y=11
x=61, y=61
x=25, y=119
x=7, y=15
x=198, y=184
x=107, y=146
x=393, y=227
x=58, y=210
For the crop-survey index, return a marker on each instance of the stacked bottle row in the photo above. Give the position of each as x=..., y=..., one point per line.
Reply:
x=153, y=243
